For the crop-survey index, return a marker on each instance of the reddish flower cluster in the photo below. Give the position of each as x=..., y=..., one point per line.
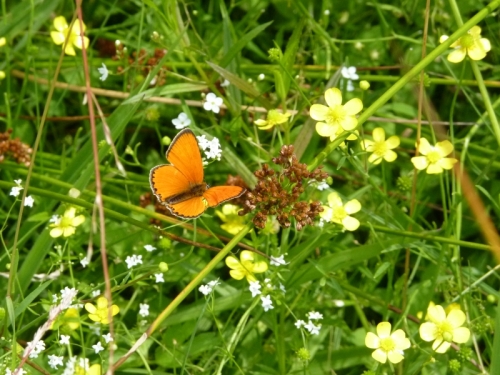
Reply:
x=14, y=148
x=279, y=193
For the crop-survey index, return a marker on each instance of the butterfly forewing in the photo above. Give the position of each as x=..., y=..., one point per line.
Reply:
x=188, y=209
x=219, y=194
x=167, y=181
x=184, y=154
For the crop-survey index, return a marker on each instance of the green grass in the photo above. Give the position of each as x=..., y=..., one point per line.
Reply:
x=422, y=237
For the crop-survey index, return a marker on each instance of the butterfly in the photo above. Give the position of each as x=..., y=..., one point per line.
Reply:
x=180, y=186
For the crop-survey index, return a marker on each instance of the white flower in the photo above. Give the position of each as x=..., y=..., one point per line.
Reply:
x=74, y=192
x=64, y=340
x=107, y=337
x=322, y=186
x=70, y=366
x=29, y=201
x=279, y=261
x=35, y=347
x=98, y=347
x=313, y=315
x=15, y=191
x=313, y=330
x=226, y=83
x=143, y=309
x=55, y=219
x=149, y=248
x=159, y=278
x=205, y=290
x=212, y=103
x=267, y=281
x=349, y=73
x=181, y=121
x=338, y=303
x=103, y=72
x=282, y=288
x=84, y=262
x=255, y=288
x=55, y=298
x=96, y=293
x=212, y=148
x=261, y=77
x=18, y=182
x=203, y=142
x=299, y=323
x=267, y=304
x=213, y=283
x=326, y=12
x=55, y=361
x=67, y=295
x=133, y=260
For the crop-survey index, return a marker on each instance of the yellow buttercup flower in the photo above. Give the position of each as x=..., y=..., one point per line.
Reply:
x=339, y=213
x=70, y=320
x=246, y=266
x=335, y=118
x=444, y=328
x=387, y=346
x=470, y=44
x=381, y=148
x=65, y=225
x=433, y=158
x=233, y=222
x=73, y=36
x=99, y=313
x=274, y=117
x=92, y=370
x=3, y=41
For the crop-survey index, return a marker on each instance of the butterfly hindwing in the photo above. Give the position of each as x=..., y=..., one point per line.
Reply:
x=167, y=181
x=219, y=194
x=188, y=209
x=184, y=154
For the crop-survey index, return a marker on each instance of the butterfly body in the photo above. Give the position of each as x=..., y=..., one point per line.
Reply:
x=180, y=185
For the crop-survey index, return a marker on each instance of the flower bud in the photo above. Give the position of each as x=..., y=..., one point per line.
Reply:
x=364, y=85
x=163, y=267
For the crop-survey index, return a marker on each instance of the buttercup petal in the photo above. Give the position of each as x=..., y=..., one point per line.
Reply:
x=353, y=136
x=367, y=145
x=440, y=346
x=238, y=274
x=379, y=355
x=457, y=55
x=390, y=156
x=461, y=335
x=349, y=123
x=334, y=200
x=456, y=318
x=56, y=232
x=352, y=206
x=424, y=148
x=353, y=106
x=260, y=122
x=60, y=23
x=77, y=42
x=384, y=330
x=114, y=310
x=78, y=220
x=372, y=341
x=259, y=267
x=420, y=162
x=68, y=231
x=399, y=337
x=434, y=168
x=378, y=135
x=69, y=50
x=486, y=44
x=318, y=112
x=395, y=357
x=325, y=130
x=392, y=142
x=102, y=303
x=443, y=38
x=232, y=262
x=428, y=331
x=436, y=313
x=350, y=223
x=375, y=159
x=90, y=308
x=57, y=37
x=476, y=52
x=247, y=256
x=94, y=317
x=444, y=148
x=333, y=97
x=475, y=31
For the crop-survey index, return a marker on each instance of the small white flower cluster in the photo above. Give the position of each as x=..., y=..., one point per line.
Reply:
x=322, y=186
x=212, y=103
x=143, y=309
x=104, y=72
x=159, y=278
x=149, y=248
x=98, y=347
x=349, y=73
x=267, y=303
x=207, y=289
x=64, y=340
x=35, y=348
x=84, y=262
x=225, y=83
x=55, y=361
x=278, y=261
x=182, y=121
x=255, y=289
x=66, y=297
x=70, y=368
x=20, y=372
x=16, y=190
x=107, y=337
x=212, y=148
x=310, y=326
x=133, y=260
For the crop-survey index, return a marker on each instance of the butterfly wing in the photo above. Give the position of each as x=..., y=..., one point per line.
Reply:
x=167, y=181
x=184, y=154
x=188, y=209
x=219, y=194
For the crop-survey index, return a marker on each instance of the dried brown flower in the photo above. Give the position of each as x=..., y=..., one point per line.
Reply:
x=279, y=193
x=19, y=151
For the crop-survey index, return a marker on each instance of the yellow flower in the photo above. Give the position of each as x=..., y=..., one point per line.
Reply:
x=470, y=44
x=2, y=74
x=233, y=222
x=434, y=157
x=93, y=370
x=70, y=319
x=339, y=213
x=3, y=41
x=381, y=148
x=387, y=345
x=335, y=117
x=246, y=266
x=444, y=328
x=273, y=118
x=65, y=225
x=73, y=37
x=100, y=312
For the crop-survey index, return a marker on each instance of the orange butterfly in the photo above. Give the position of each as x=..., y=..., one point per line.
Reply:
x=180, y=186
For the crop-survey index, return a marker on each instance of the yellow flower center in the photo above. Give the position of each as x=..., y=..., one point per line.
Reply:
x=445, y=329
x=467, y=41
x=66, y=222
x=387, y=344
x=379, y=148
x=433, y=157
x=339, y=213
x=335, y=115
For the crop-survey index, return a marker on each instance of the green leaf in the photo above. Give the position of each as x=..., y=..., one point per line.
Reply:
x=168, y=90
x=30, y=298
